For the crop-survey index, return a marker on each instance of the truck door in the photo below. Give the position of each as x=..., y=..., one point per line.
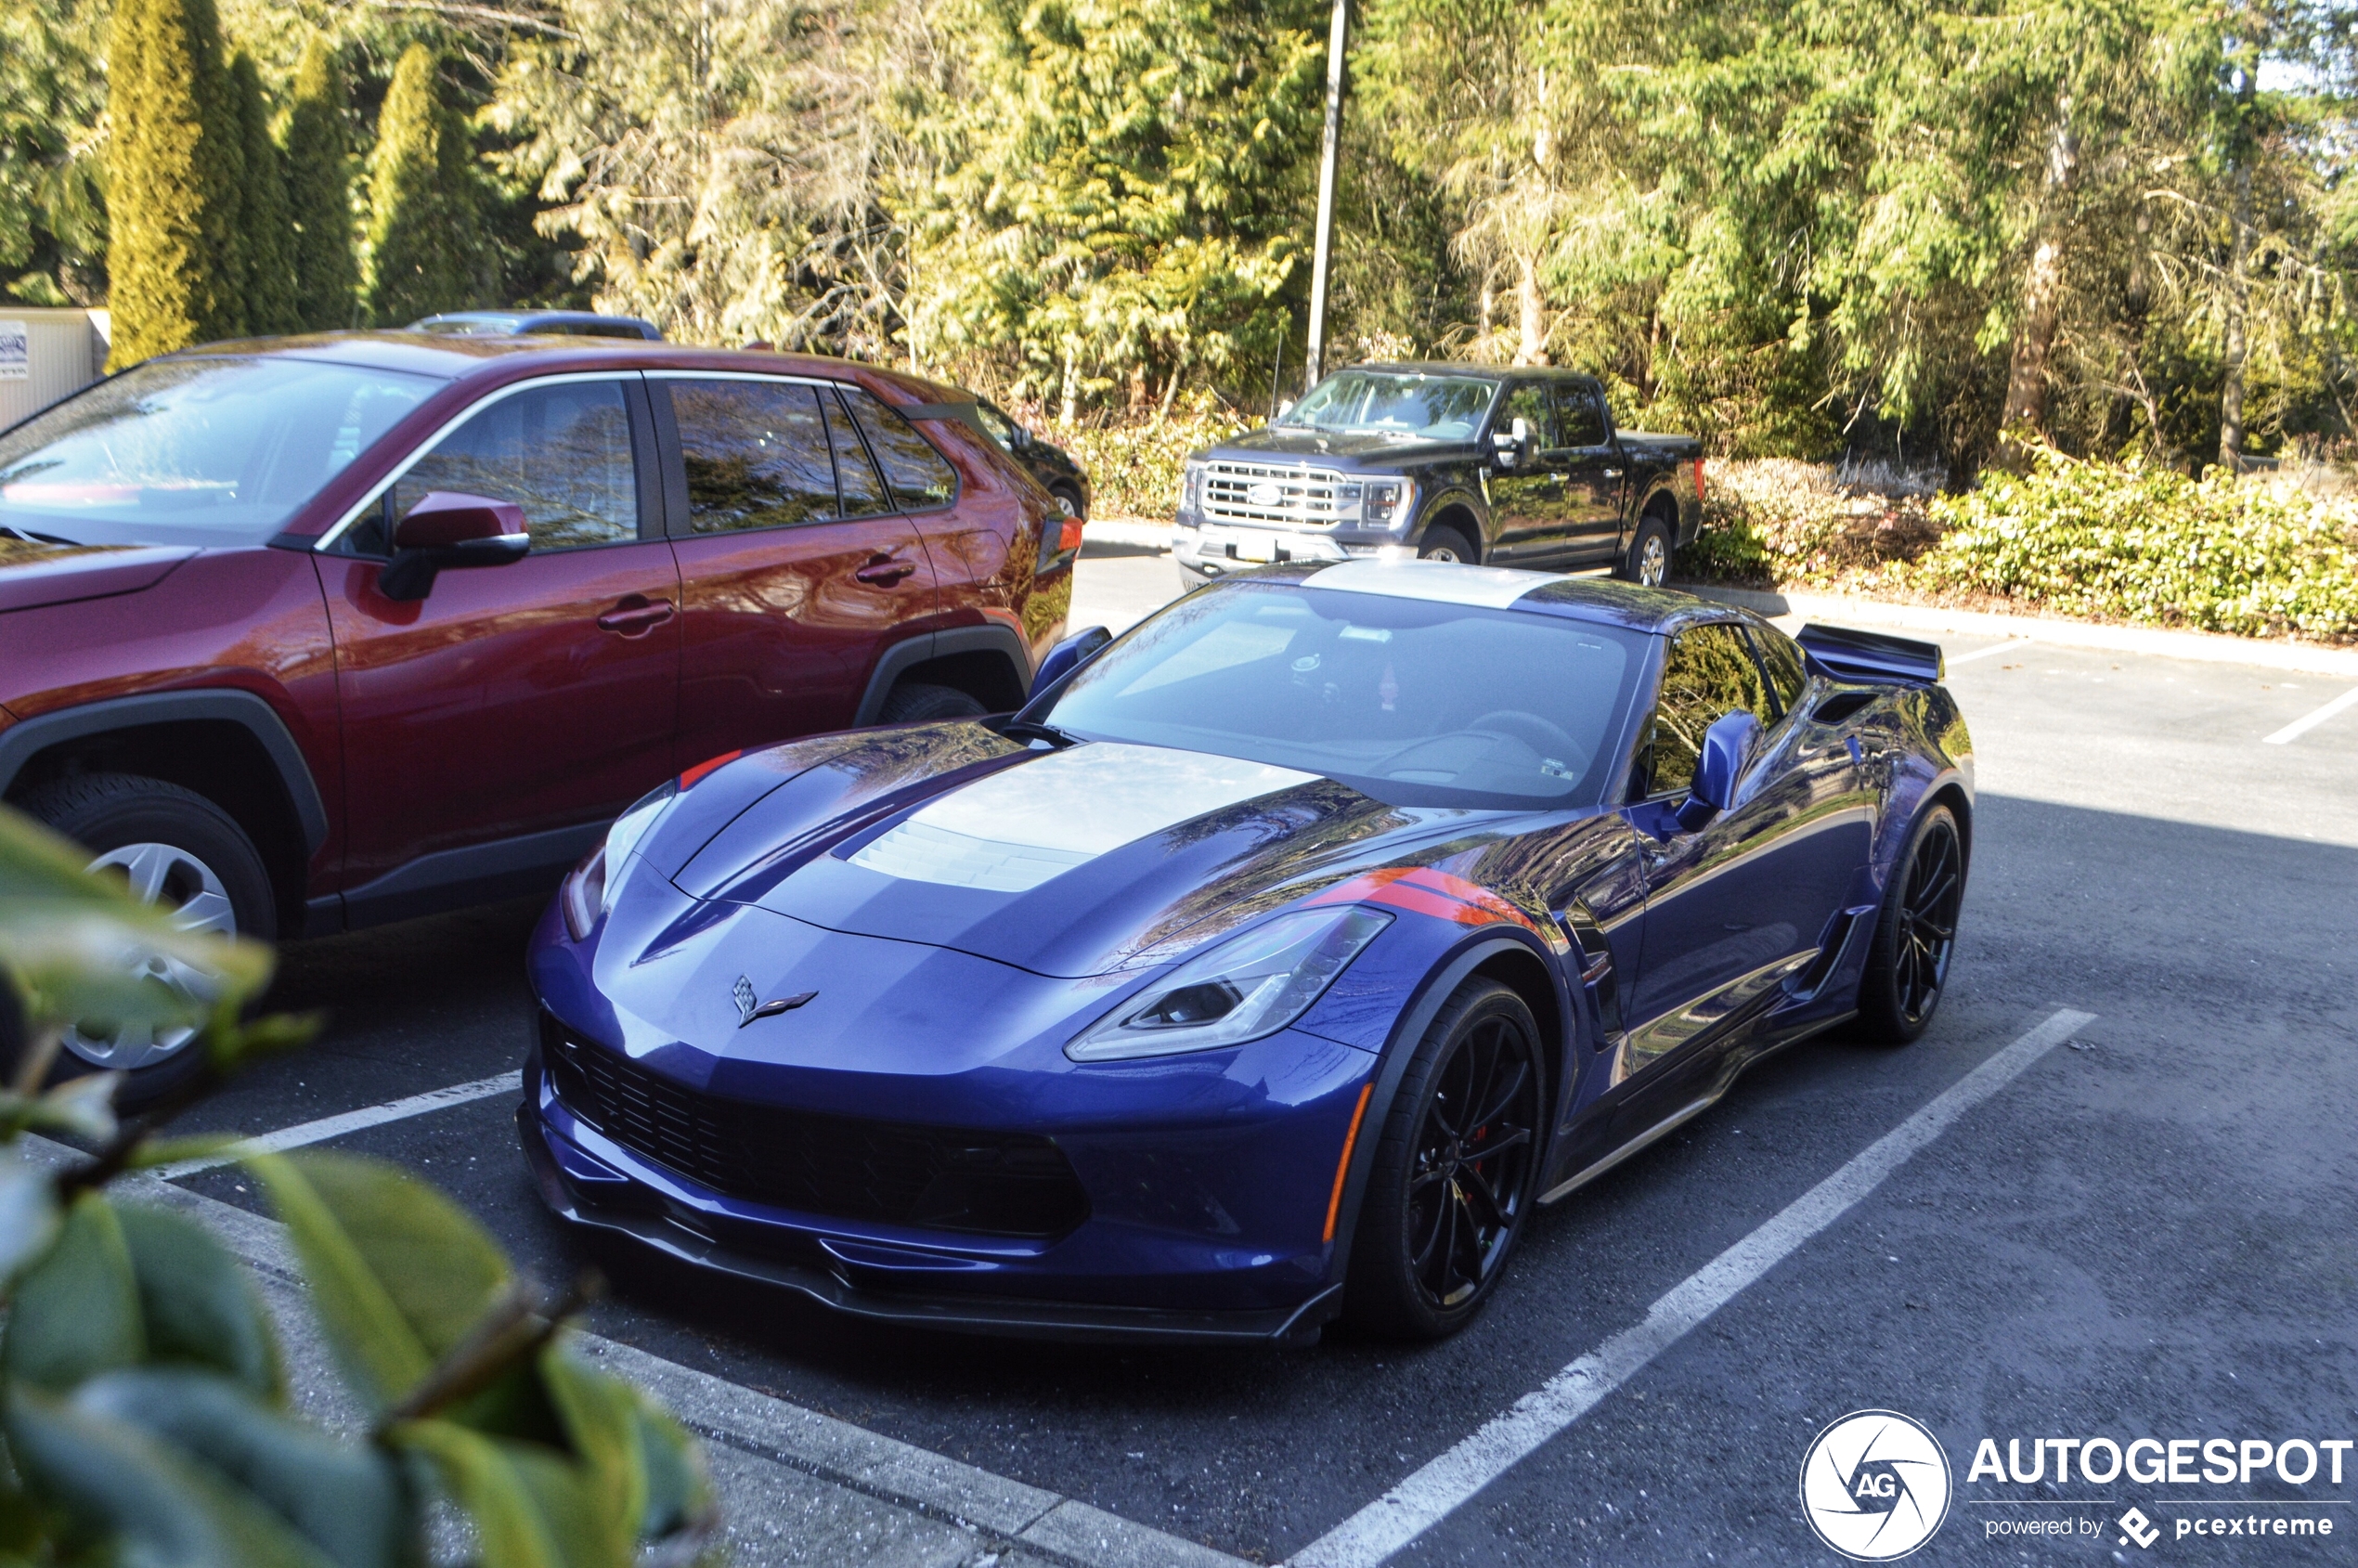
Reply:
x=1593, y=475
x=1527, y=500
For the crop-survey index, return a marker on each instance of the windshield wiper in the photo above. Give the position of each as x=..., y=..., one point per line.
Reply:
x=1025, y=730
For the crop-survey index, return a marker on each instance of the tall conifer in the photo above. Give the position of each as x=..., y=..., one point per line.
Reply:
x=319, y=192
x=266, y=232
x=422, y=219
x=173, y=166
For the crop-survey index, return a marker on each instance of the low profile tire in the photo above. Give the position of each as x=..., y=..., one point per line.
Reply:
x=1448, y=544
x=1648, y=563
x=914, y=702
x=1455, y=1170
x=177, y=848
x=1915, y=933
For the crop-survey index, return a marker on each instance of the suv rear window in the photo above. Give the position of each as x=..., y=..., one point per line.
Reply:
x=917, y=476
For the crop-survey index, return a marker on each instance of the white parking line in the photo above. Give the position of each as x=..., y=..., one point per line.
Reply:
x=2009, y=646
x=2309, y=722
x=1384, y=1527
x=350, y=1122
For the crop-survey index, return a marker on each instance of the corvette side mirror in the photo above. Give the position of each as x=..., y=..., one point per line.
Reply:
x=1727, y=746
x=1067, y=657
x=448, y=530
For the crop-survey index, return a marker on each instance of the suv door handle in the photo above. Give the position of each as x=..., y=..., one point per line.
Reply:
x=884, y=571
x=636, y=615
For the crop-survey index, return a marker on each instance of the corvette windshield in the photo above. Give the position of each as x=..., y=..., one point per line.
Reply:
x=199, y=451
x=1410, y=702
x=1402, y=403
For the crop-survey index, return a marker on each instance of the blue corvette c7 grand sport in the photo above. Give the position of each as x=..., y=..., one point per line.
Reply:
x=1274, y=964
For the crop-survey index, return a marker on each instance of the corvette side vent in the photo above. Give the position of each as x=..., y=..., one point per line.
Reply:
x=940, y=1178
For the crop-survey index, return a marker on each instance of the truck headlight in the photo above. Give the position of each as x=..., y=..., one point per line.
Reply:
x=1247, y=987
x=1190, y=492
x=1389, y=501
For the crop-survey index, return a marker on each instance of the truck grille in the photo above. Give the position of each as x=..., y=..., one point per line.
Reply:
x=1235, y=492
x=940, y=1178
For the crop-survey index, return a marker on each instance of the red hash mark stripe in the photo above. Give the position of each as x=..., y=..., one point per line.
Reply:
x=1422, y=890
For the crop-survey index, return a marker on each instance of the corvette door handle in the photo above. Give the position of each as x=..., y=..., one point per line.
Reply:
x=637, y=616
x=884, y=572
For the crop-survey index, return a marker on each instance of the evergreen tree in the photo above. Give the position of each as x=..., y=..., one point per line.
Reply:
x=266, y=232
x=319, y=192
x=172, y=169
x=423, y=234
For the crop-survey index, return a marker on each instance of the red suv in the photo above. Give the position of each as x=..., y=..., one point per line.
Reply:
x=314, y=633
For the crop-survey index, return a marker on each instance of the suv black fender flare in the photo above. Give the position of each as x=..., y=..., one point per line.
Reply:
x=22, y=741
x=926, y=646
x=1417, y=1018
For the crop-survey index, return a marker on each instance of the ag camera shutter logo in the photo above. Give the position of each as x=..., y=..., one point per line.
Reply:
x=1875, y=1485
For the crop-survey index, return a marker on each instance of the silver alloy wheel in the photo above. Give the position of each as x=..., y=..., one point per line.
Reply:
x=162, y=873
x=1441, y=552
x=1653, y=561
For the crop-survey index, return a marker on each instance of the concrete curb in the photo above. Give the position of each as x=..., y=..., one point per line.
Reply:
x=797, y=1486
x=2205, y=646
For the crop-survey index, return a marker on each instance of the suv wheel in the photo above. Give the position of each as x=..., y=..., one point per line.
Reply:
x=914, y=702
x=176, y=847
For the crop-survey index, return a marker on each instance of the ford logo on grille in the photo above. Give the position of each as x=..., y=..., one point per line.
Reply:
x=1264, y=494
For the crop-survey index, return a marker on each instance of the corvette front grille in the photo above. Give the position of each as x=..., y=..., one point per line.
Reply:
x=940, y=1178
x=1236, y=492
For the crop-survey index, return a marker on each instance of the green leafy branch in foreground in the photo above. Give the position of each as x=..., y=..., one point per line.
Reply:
x=144, y=1404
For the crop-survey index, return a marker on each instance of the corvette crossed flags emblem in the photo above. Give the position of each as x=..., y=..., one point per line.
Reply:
x=748, y=1009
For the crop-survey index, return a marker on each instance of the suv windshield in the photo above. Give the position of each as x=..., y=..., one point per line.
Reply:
x=1396, y=403
x=1410, y=702
x=199, y=452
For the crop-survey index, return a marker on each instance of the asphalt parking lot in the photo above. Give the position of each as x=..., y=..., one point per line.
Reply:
x=2145, y=1231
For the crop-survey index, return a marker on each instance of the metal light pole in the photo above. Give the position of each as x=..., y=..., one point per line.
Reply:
x=1316, y=365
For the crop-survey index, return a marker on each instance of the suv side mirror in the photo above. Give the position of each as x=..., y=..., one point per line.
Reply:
x=1727, y=746
x=448, y=530
x=1067, y=657
x=1509, y=445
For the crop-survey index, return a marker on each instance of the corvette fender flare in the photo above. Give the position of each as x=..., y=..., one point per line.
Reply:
x=1438, y=986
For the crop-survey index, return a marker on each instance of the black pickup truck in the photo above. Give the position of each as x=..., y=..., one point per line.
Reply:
x=1458, y=463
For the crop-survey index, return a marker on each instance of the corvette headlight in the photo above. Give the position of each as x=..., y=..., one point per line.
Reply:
x=1247, y=987
x=589, y=886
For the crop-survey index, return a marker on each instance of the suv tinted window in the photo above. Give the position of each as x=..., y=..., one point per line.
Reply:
x=1528, y=401
x=756, y=454
x=562, y=453
x=1578, y=415
x=1786, y=670
x=917, y=476
x=863, y=493
x=1710, y=674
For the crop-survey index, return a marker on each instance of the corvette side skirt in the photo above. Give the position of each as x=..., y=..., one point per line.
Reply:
x=1684, y=1114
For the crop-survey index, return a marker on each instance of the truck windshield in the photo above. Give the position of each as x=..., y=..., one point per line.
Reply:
x=201, y=452
x=1396, y=403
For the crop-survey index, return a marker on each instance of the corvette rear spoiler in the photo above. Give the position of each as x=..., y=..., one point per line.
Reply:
x=1844, y=654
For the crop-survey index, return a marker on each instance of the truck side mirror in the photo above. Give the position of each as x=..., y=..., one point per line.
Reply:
x=1509, y=445
x=448, y=530
x=1727, y=746
x=1285, y=407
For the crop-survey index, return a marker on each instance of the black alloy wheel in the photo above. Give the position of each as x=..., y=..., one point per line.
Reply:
x=1456, y=1170
x=1916, y=933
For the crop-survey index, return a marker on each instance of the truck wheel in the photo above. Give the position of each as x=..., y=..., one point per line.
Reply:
x=1648, y=563
x=176, y=847
x=914, y=702
x=1068, y=498
x=1448, y=544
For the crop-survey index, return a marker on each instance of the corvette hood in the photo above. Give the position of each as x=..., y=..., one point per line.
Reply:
x=1066, y=863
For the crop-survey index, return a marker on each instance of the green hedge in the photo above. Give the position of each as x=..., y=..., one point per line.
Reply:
x=2149, y=545
x=1133, y=470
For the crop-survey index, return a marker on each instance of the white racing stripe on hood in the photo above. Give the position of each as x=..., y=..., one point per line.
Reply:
x=1016, y=829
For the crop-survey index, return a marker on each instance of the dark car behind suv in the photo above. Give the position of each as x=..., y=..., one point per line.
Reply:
x=314, y=633
x=1516, y=467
